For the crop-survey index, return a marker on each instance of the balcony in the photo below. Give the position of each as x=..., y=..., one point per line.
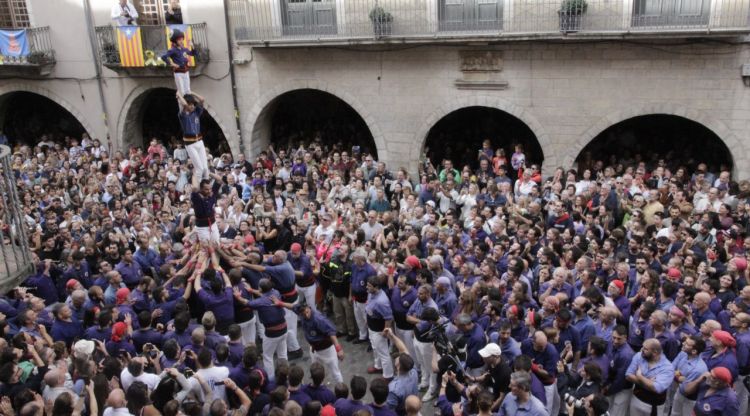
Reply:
x=343, y=22
x=148, y=42
x=37, y=60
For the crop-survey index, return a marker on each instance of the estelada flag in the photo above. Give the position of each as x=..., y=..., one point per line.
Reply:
x=130, y=45
x=187, y=30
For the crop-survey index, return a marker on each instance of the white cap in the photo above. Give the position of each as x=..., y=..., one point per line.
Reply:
x=83, y=348
x=490, y=349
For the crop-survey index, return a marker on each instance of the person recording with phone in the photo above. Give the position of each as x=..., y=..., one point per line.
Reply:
x=124, y=14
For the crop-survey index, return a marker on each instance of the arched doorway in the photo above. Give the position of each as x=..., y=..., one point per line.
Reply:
x=25, y=117
x=308, y=116
x=153, y=114
x=649, y=138
x=459, y=135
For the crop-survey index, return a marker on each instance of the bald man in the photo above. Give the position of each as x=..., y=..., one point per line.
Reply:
x=413, y=406
x=651, y=374
x=702, y=313
x=544, y=358
x=54, y=380
x=116, y=404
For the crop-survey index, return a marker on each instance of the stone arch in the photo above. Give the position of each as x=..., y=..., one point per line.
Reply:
x=259, y=113
x=420, y=137
x=725, y=134
x=70, y=108
x=131, y=114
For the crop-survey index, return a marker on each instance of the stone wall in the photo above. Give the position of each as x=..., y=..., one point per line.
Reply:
x=566, y=93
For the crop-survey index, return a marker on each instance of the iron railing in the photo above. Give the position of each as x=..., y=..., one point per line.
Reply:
x=15, y=257
x=268, y=21
x=40, y=48
x=153, y=38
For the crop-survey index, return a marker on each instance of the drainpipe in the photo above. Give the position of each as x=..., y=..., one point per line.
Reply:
x=97, y=67
x=232, y=77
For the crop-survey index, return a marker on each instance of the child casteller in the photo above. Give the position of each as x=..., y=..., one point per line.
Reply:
x=178, y=56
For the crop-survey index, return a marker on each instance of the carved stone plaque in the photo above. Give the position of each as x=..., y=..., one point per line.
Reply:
x=481, y=61
x=480, y=69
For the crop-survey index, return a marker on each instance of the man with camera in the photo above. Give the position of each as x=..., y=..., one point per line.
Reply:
x=124, y=14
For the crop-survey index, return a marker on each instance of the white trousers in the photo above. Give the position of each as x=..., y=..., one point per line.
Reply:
x=291, y=327
x=275, y=345
x=423, y=356
x=408, y=338
x=197, y=153
x=553, y=399
x=208, y=234
x=248, y=330
x=330, y=361
x=619, y=403
x=307, y=294
x=742, y=394
x=381, y=354
x=639, y=408
x=182, y=81
x=681, y=405
x=360, y=315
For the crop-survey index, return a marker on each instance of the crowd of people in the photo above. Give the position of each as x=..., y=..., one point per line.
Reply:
x=482, y=289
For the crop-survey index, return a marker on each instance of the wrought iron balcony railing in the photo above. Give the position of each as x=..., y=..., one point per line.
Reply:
x=342, y=21
x=151, y=43
x=39, y=50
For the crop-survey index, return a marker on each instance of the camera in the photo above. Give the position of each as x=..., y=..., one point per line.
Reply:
x=572, y=400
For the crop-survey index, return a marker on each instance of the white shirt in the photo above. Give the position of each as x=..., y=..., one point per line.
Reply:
x=212, y=376
x=120, y=20
x=150, y=380
x=120, y=411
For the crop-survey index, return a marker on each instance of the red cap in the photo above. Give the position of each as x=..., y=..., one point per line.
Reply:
x=249, y=239
x=741, y=263
x=723, y=374
x=118, y=331
x=71, y=284
x=296, y=248
x=413, y=261
x=674, y=273
x=725, y=338
x=620, y=285
x=122, y=294
x=328, y=410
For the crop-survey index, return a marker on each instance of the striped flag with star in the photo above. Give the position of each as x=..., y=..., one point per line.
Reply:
x=188, y=31
x=130, y=46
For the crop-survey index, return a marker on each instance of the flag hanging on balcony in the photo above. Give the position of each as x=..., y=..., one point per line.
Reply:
x=130, y=45
x=188, y=31
x=13, y=43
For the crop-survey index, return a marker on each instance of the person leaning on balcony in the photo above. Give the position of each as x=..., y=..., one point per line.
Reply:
x=124, y=13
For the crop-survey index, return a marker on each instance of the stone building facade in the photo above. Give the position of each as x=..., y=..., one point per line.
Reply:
x=566, y=88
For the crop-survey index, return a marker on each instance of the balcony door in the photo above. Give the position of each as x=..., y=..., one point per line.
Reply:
x=309, y=17
x=677, y=13
x=463, y=15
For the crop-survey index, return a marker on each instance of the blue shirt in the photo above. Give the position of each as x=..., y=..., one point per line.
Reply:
x=66, y=331
x=316, y=329
x=45, y=287
x=418, y=307
x=475, y=341
x=268, y=313
x=347, y=407
x=98, y=333
x=510, y=349
x=446, y=303
x=378, y=310
x=282, y=276
x=400, y=304
x=690, y=368
x=585, y=327
x=743, y=352
x=320, y=393
x=191, y=122
x=147, y=259
x=661, y=374
x=302, y=264
x=620, y=359
x=221, y=304
x=178, y=55
x=532, y=407
x=547, y=359
x=727, y=359
x=402, y=386
x=360, y=274
x=131, y=273
x=721, y=403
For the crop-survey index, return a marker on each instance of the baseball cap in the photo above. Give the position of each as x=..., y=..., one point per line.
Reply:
x=490, y=350
x=83, y=347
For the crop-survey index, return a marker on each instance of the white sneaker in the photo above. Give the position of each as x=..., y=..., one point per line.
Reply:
x=429, y=396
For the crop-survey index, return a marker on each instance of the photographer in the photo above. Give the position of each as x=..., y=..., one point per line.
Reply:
x=596, y=405
x=124, y=14
x=577, y=386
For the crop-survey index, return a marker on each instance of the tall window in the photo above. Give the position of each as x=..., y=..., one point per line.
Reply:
x=14, y=14
x=152, y=12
